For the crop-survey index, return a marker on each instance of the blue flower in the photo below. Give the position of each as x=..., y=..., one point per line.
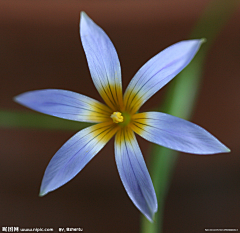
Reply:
x=119, y=116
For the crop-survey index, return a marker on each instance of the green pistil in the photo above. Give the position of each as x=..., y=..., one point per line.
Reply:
x=126, y=119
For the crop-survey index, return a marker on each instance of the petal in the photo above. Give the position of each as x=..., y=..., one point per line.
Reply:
x=158, y=71
x=71, y=158
x=65, y=104
x=176, y=133
x=134, y=174
x=103, y=62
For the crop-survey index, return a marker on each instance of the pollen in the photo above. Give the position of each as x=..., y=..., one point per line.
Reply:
x=117, y=117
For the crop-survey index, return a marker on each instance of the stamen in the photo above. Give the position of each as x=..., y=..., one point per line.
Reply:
x=117, y=117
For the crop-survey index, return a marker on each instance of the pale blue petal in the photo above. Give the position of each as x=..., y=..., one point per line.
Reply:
x=134, y=174
x=71, y=158
x=102, y=60
x=158, y=71
x=65, y=104
x=177, y=134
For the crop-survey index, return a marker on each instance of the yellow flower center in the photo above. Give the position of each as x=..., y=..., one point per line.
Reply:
x=117, y=117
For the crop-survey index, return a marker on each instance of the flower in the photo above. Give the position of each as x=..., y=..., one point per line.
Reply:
x=120, y=117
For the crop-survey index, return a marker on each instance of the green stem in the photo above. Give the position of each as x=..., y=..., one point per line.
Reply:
x=180, y=100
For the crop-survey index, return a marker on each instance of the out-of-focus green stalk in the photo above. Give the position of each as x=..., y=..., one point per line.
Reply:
x=180, y=100
x=13, y=119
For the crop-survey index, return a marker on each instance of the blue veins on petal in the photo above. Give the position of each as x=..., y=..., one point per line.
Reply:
x=72, y=157
x=134, y=174
x=158, y=71
x=176, y=133
x=102, y=61
x=65, y=104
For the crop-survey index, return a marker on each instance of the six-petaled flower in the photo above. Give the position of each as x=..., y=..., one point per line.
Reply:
x=119, y=116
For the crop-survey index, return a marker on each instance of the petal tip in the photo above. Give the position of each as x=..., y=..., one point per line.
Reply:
x=227, y=150
x=84, y=18
x=44, y=191
x=20, y=99
x=83, y=15
x=85, y=24
x=15, y=99
x=41, y=194
x=203, y=40
x=150, y=217
x=223, y=149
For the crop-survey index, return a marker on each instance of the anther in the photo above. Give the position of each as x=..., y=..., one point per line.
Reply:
x=117, y=117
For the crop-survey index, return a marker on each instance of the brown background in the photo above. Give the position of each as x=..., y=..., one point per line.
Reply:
x=40, y=48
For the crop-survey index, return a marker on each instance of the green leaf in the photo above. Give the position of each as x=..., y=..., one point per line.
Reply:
x=13, y=119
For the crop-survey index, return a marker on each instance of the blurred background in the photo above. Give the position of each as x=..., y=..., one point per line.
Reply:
x=40, y=48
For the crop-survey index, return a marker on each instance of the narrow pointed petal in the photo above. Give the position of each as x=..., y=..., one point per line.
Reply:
x=176, y=133
x=103, y=62
x=134, y=174
x=72, y=157
x=65, y=104
x=158, y=71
